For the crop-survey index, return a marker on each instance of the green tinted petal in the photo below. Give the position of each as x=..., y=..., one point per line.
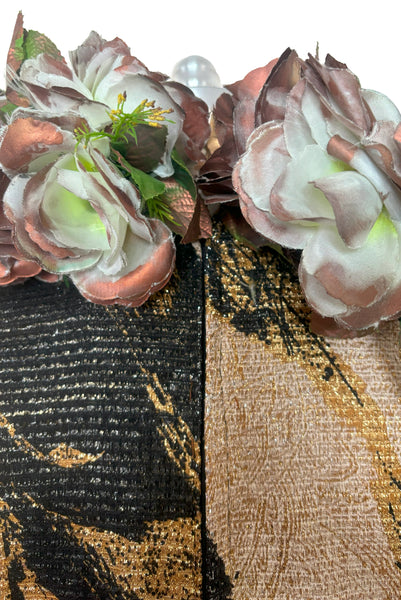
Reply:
x=73, y=220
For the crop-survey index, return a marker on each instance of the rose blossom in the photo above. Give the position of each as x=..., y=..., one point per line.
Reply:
x=322, y=174
x=78, y=216
x=100, y=72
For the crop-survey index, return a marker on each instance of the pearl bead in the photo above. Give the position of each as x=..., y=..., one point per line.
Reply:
x=200, y=76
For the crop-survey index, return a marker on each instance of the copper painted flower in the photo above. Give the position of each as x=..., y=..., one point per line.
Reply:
x=322, y=173
x=79, y=217
x=14, y=267
x=100, y=72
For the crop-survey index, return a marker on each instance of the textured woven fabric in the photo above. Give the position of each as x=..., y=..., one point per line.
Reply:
x=302, y=441
x=100, y=414
x=113, y=487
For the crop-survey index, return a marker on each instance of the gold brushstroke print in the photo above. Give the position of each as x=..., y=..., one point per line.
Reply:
x=179, y=442
x=12, y=557
x=63, y=456
x=282, y=323
x=69, y=457
x=164, y=563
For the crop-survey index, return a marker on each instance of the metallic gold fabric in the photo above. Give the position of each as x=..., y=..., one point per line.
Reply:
x=101, y=409
x=100, y=428
x=302, y=441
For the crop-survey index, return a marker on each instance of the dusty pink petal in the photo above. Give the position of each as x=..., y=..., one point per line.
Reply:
x=297, y=132
x=145, y=278
x=340, y=90
x=273, y=96
x=244, y=123
x=46, y=70
x=329, y=327
x=383, y=108
x=317, y=296
x=316, y=116
x=95, y=57
x=251, y=85
x=360, y=160
x=33, y=238
x=345, y=191
x=245, y=93
x=254, y=177
x=382, y=148
x=293, y=196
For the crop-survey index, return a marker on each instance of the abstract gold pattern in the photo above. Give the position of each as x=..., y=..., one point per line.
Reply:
x=99, y=444
x=309, y=500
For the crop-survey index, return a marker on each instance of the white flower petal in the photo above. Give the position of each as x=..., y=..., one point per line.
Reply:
x=382, y=107
x=294, y=197
x=357, y=277
x=344, y=191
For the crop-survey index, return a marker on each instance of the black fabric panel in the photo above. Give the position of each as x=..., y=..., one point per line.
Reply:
x=109, y=383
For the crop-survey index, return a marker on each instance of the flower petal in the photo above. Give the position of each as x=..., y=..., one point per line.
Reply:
x=272, y=100
x=137, y=88
x=149, y=267
x=355, y=277
x=340, y=91
x=254, y=177
x=294, y=196
x=26, y=139
x=344, y=192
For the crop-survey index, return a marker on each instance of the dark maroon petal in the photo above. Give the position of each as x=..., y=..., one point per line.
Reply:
x=272, y=100
x=146, y=151
x=196, y=128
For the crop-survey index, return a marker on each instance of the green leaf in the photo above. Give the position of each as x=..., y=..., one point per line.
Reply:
x=8, y=108
x=182, y=175
x=148, y=186
x=37, y=43
x=19, y=52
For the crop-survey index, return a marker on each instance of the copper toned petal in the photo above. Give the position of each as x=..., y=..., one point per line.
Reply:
x=24, y=140
x=339, y=87
x=250, y=86
x=134, y=288
x=14, y=61
x=196, y=128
